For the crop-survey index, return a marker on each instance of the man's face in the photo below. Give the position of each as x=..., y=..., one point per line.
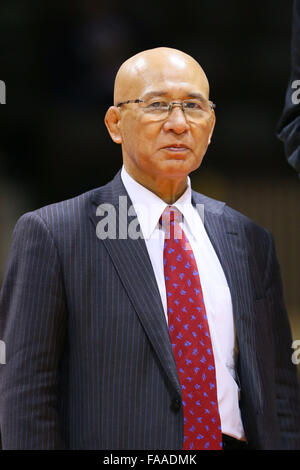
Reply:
x=173, y=147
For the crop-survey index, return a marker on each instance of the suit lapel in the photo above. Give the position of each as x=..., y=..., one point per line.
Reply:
x=131, y=260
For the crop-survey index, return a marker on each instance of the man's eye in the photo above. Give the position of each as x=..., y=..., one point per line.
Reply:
x=157, y=105
x=192, y=105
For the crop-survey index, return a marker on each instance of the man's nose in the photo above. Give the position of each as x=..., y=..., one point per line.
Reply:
x=176, y=121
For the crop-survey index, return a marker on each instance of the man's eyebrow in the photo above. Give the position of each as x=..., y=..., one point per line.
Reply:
x=150, y=94
x=198, y=96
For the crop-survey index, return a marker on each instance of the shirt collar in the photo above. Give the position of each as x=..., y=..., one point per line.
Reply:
x=150, y=207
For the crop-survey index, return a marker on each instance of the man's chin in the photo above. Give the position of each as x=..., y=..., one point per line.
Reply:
x=173, y=168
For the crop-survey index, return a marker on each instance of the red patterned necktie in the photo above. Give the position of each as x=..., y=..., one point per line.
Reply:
x=190, y=337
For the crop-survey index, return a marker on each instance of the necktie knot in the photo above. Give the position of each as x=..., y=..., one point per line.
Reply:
x=170, y=219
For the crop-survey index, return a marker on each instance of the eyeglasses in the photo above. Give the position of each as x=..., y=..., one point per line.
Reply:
x=194, y=109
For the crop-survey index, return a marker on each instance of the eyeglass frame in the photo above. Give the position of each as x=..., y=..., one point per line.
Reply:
x=170, y=107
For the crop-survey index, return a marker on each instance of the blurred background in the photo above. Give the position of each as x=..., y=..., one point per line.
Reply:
x=58, y=60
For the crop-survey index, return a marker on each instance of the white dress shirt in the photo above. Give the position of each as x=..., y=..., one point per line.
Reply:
x=217, y=298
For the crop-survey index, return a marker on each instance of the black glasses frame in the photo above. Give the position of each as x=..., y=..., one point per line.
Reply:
x=129, y=101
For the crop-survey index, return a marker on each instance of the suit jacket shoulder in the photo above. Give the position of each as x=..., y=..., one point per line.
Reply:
x=222, y=209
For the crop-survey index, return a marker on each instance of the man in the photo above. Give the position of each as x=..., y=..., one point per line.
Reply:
x=127, y=336
x=289, y=125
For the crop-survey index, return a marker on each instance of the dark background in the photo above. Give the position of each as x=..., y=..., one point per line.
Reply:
x=58, y=60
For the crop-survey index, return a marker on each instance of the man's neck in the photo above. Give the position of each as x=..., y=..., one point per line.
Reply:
x=169, y=190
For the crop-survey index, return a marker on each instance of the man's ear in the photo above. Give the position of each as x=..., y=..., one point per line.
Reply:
x=112, y=122
x=213, y=122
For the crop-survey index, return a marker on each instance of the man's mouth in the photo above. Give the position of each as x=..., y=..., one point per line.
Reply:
x=176, y=148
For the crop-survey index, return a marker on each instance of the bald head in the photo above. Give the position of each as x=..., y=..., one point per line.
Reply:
x=157, y=66
x=160, y=149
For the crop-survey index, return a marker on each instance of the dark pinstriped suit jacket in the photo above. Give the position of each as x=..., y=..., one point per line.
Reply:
x=89, y=362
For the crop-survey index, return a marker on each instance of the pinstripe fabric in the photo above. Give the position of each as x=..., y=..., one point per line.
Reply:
x=89, y=363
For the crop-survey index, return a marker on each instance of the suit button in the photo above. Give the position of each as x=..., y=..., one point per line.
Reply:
x=176, y=404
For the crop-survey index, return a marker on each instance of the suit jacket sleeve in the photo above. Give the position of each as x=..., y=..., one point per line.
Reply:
x=289, y=125
x=286, y=380
x=33, y=327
